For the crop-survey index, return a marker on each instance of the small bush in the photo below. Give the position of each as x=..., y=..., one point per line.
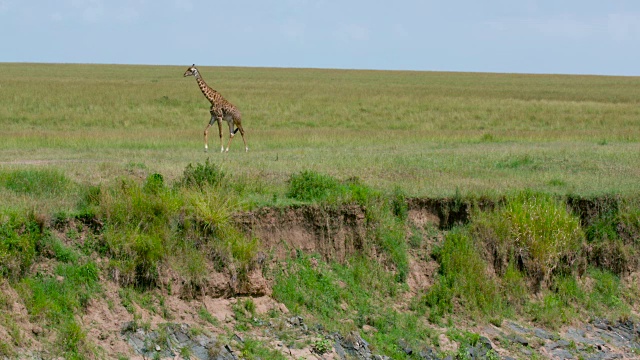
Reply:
x=533, y=231
x=312, y=186
x=154, y=184
x=202, y=175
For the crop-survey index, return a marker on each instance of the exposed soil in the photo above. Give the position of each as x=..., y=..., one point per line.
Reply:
x=335, y=233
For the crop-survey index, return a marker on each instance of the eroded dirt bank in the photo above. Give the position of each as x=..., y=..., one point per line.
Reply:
x=175, y=322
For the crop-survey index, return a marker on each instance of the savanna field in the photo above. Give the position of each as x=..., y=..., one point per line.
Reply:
x=486, y=200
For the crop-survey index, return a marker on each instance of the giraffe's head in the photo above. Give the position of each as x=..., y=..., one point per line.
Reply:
x=191, y=71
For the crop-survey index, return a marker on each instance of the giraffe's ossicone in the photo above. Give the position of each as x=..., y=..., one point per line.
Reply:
x=220, y=110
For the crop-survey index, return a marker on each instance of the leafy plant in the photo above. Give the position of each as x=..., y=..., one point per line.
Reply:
x=321, y=346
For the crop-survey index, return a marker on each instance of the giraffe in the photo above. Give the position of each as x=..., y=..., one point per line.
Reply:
x=220, y=110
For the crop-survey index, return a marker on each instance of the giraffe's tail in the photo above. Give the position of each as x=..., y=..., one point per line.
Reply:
x=235, y=131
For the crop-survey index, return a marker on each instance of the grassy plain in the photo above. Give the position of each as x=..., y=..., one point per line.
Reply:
x=66, y=128
x=429, y=133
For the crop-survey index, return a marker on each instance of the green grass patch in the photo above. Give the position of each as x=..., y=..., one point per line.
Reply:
x=533, y=231
x=150, y=225
x=613, y=235
x=312, y=186
x=58, y=298
x=481, y=132
x=361, y=290
x=46, y=182
x=463, y=279
x=19, y=236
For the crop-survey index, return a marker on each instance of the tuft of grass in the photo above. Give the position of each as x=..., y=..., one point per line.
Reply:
x=463, y=278
x=533, y=231
x=252, y=349
x=206, y=316
x=151, y=225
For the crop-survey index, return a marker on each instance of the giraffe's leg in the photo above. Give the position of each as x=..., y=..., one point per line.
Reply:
x=219, y=120
x=206, y=132
x=239, y=127
x=230, y=123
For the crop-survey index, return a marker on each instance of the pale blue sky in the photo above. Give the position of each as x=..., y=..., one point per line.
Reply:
x=523, y=36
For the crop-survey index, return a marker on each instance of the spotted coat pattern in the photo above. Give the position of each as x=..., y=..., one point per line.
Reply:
x=220, y=110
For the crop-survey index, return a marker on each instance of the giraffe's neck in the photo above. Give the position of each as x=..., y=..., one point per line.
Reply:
x=206, y=90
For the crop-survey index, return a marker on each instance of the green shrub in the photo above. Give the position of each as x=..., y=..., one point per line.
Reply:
x=312, y=186
x=533, y=231
x=150, y=225
x=202, y=175
x=154, y=184
x=138, y=228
